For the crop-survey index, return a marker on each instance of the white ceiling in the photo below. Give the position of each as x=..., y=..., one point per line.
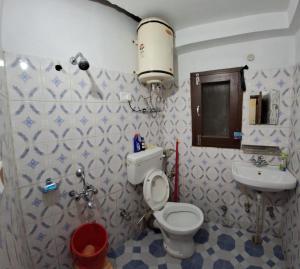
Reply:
x=187, y=13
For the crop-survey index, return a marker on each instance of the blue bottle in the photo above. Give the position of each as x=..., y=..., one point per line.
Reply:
x=136, y=143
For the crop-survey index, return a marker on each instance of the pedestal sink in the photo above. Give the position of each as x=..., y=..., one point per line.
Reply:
x=267, y=179
x=262, y=179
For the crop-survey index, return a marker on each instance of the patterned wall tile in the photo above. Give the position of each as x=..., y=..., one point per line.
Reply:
x=56, y=85
x=206, y=172
x=23, y=77
x=291, y=224
x=62, y=121
x=14, y=251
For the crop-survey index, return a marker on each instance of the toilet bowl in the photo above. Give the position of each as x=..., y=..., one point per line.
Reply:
x=178, y=222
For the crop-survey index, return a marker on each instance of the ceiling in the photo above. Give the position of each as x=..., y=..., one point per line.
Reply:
x=198, y=22
x=187, y=13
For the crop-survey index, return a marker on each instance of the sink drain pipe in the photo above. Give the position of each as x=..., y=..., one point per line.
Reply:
x=259, y=218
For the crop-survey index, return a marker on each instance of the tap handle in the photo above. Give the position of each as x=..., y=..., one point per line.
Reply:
x=72, y=193
x=260, y=158
x=80, y=172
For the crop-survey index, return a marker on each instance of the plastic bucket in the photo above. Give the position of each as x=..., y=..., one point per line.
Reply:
x=89, y=234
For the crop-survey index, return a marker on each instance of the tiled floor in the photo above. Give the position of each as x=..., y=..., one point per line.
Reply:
x=217, y=247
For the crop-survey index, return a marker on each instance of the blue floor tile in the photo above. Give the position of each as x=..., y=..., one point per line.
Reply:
x=202, y=236
x=136, y=250
x=215, y=228
x=210, y=251
x=266, y=239
x=157, y=249
x=226, y=242
x=141, y=236
x=195, y=262
x=239, y=233
x=277, y=250
x=115, y=253
x=253, y=249
x=271, y=263
x=217, y=247
x=239, y=258
x=223, y=264
x=135, y=264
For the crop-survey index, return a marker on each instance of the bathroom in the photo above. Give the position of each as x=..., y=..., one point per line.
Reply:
x=74, y=106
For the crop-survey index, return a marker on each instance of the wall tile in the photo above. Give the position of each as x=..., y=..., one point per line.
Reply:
x=291, y=225
x=14, y=251
x=206, y=172
x=69, y=119
x=23, y=77
x=62, y=121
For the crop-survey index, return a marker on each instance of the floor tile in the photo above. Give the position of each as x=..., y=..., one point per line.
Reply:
x=217, y=247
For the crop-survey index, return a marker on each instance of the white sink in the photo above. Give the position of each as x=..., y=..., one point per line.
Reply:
x=267, y=178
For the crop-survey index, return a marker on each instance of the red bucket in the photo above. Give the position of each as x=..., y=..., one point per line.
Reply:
x=92, y=234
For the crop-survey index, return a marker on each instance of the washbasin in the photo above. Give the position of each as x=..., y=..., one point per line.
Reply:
x=267, y=178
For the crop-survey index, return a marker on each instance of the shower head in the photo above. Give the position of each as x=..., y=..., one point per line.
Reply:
x=83, y=63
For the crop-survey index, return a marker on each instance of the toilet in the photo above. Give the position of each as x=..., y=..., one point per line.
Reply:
x=178, y=222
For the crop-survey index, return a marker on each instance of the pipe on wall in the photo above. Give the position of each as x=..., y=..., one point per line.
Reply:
x=119, y=9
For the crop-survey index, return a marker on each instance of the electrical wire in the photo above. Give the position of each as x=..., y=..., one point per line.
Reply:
x=150, y=108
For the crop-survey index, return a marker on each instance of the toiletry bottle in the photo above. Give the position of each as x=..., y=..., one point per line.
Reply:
x=139, y=141
x=143, y=145
x=136, y=143
x=283, y=157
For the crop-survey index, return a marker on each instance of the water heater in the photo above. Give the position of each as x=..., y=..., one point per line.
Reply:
x=155, y=51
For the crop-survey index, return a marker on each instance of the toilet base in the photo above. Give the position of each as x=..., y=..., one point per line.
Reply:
x=179, y=222
x=181, y=247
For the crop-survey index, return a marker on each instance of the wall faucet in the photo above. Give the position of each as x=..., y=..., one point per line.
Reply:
x=88, y=190
x=260, y=162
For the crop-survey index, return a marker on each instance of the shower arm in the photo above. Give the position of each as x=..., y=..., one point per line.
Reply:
x=74, y=59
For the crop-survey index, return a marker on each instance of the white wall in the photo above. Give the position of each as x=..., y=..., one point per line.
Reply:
x=297, y=47
x=242, y=26
x=1, y=13
x=61, y=28
x=273, y=52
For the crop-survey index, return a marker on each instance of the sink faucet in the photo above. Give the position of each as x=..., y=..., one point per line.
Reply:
x=88, y=190
x=260, y=162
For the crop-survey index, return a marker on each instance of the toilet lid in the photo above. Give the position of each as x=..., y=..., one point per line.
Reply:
x=156, y=189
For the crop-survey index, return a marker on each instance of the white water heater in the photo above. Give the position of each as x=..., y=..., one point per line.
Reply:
x=155, y=51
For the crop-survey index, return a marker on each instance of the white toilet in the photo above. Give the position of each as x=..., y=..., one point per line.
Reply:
x=178, y=222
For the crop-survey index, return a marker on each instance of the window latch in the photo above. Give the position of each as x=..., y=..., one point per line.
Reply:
x=198, y=111
x=199, y=140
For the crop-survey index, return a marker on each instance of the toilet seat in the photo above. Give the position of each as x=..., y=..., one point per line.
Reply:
x=156, y=189
x=180, y=218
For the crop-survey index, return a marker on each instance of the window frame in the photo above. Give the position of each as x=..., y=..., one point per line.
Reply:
x=235, y=108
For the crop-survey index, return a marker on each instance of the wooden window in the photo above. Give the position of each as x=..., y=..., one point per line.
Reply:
x=216, y=103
